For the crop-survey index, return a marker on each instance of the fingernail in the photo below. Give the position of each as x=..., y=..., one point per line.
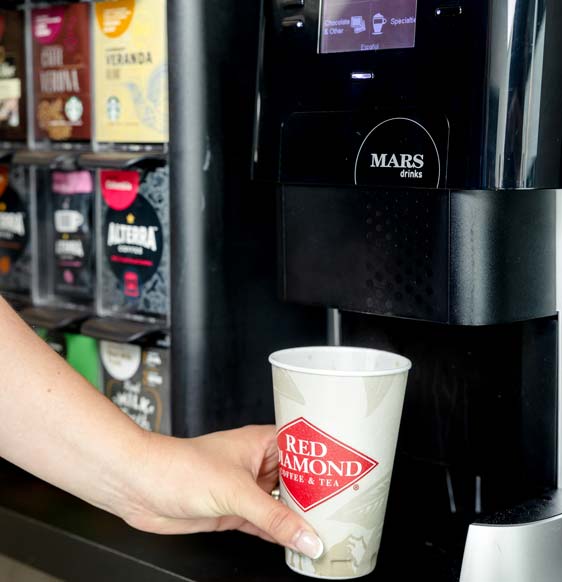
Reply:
x=309, y=544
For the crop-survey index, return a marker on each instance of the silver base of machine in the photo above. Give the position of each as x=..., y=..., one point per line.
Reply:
x=524, y=551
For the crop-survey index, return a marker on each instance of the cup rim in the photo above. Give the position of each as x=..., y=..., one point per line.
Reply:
x=274, y=361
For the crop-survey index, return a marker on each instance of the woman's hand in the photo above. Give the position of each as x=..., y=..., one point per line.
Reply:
x=221, y=481
x=217, y=482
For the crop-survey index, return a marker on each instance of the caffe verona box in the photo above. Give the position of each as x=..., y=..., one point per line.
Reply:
x=131, y=71
x=61, y=72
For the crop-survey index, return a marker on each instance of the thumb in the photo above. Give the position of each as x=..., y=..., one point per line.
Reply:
x=281, y=523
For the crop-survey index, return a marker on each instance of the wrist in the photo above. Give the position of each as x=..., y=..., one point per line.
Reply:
x=150, y=475
x=124, y=483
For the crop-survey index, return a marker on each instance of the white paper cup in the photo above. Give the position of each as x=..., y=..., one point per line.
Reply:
x=337, y=411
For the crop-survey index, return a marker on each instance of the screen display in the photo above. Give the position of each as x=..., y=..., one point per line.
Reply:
x=367, y=25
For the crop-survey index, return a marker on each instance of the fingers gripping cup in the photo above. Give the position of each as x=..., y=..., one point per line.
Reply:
x=338, y=411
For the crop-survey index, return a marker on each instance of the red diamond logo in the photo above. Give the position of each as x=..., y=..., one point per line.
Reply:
x=314, y=466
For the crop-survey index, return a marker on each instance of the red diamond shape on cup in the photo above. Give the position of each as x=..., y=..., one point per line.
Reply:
x=314, y=466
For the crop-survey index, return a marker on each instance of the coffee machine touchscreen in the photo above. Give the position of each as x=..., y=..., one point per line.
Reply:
x=367, y=25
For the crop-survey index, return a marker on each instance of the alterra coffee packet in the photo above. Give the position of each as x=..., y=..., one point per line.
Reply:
x=137, y=380
x=131, y=71
x=61, y=72
x=15, y=244
x=134, y=261
x=73, y=242
x=13, y=121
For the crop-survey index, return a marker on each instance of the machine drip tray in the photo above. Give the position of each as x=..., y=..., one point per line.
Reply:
x=545, y=507
x=517, y=545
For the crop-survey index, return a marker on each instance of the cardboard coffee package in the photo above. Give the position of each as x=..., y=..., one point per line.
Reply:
x=13, y=121
x=137, y=380
x=15, y=243
x=131, y=71
x=133, y=244
x=61, y=72
x=67, y=262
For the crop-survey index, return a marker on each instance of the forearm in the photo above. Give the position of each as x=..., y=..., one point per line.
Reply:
x=54, y=424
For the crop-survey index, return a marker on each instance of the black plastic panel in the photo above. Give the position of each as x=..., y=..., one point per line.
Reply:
x=503, y=257
x=335, y=148
x=46, y=158
x=120, y=160
x=226, y=315
x=465, y=258
x=383, y=252
x=53, y=318
x=120, y=330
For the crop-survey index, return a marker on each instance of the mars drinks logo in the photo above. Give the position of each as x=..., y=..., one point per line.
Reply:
x=314, y=466
x=411, y=165
x=399, y=152
x=132, y=231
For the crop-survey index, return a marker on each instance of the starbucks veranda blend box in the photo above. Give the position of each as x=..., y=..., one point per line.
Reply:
x=131, y=71
x=134, y=244
x=15, y=243
x=13, y=121
x=72, y=264
x=137, y=380
x=61, y=72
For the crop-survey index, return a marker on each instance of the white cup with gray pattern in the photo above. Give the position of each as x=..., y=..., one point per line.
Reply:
x=337, y=411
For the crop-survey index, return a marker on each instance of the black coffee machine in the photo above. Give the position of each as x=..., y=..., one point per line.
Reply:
x=416, y=149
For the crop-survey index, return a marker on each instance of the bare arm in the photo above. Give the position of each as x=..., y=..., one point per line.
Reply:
x=54, y=424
